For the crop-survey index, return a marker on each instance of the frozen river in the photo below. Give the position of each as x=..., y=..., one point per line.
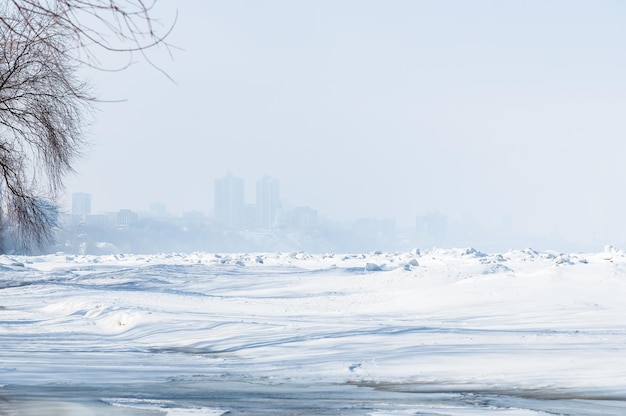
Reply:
x=445, y=332
x=219, y=397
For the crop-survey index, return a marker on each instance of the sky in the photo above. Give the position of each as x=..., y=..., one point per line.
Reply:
x=487, y=110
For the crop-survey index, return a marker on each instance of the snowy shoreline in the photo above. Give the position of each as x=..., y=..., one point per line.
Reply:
x=534, y=325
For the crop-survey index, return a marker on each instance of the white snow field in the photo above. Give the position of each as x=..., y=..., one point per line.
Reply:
x=441, y=332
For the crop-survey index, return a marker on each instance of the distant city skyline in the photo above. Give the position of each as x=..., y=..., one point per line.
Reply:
x=263, y=192
x=230, y=212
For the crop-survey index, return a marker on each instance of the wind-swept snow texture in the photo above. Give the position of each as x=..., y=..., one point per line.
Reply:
x=444, y=332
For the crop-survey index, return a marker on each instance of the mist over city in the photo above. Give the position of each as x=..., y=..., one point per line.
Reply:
x=267, y=224
x=504, y=119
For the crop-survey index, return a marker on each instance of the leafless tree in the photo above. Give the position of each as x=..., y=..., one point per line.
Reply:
x=43, y=103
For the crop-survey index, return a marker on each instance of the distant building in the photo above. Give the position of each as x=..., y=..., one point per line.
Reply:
x=126, y=217
x=301, y=218
x=158, y=210
x=81, y=203
x=250, y=216
x=229, y=201
x=267, y=202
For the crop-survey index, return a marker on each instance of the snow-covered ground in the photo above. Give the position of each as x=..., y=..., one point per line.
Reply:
x=441, y=332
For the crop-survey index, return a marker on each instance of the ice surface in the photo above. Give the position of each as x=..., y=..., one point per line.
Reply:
x=432, y=332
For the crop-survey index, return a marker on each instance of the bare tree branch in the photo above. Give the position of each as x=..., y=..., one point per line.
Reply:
x=43, y=103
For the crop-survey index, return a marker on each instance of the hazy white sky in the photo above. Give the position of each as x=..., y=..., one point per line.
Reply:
x=378, y=109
